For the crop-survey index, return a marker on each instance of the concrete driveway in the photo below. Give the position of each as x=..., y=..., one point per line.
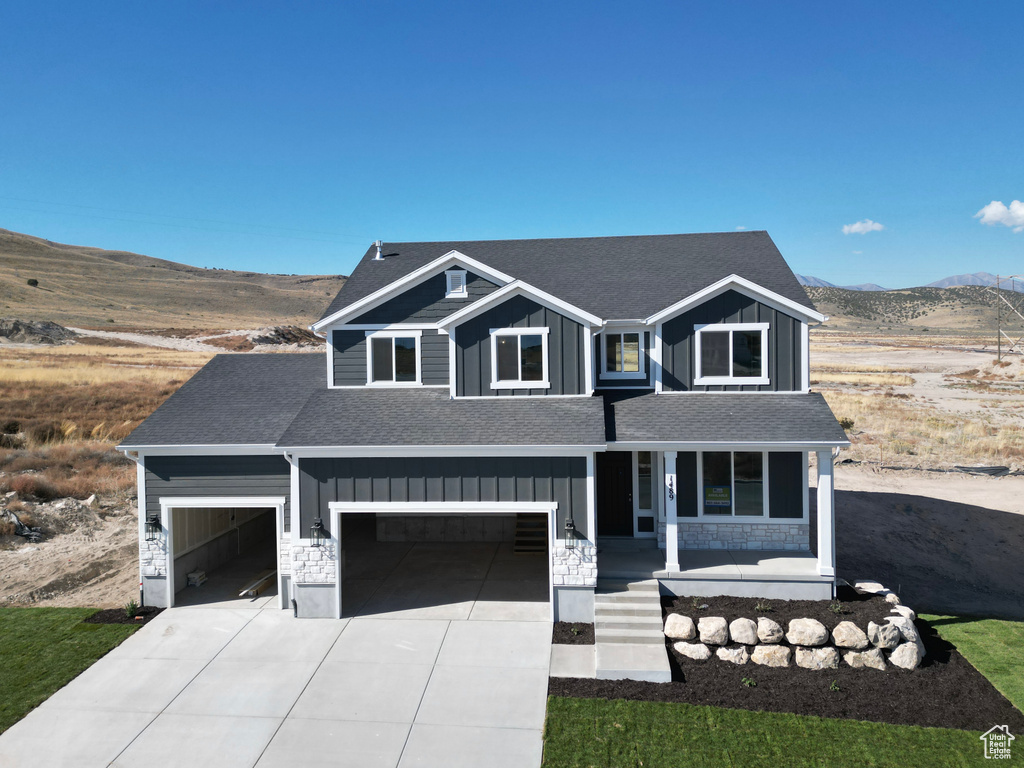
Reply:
x=252, y=686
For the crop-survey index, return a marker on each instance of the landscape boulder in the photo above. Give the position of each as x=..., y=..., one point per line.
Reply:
x=873, y=658
x=34, y=331
x=736, y=654
x=771, y=655
x=907, y=630
x=892, y=598
x=866, y=587
x=904, y=611
x=768, y=631
x=906, y=656
x=713, y=630
x=884, y=635
x=695, y=651
x=817, y=658
x=809, y=632
x=743, y=631
x=679, y=627
x=849, y=635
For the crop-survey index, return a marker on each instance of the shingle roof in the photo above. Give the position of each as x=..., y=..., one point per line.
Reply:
x=367, y=416
x=235, y=400
x=611, y=277
x=721, y=417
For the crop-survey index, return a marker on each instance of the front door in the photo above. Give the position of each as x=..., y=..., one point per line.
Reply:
x=615, y=493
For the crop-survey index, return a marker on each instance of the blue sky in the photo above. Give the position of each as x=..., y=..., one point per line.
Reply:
x=285, y=137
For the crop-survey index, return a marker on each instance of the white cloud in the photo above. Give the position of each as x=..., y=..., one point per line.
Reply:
x=740, y=229
x=862, y=227
x=997, y=213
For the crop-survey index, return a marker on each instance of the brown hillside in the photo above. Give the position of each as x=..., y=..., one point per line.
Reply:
x=92, y=287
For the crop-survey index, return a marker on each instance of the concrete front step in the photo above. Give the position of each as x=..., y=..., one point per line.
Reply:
x=628, y=631
x=633, y=661
x=625, y=609
x=624, y=585
x=650, y=623
x=621, y=638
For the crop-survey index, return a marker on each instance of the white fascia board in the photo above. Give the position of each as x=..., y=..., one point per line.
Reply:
x=725, y=445
x=519, y=288
x=263, y=449
x=392, y=289
x=443, y=507
x=168, y=502
x=347, y=451
x=747, y=288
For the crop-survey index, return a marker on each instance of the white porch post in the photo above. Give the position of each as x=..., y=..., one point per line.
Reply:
x=671, y=518
x=826, y=515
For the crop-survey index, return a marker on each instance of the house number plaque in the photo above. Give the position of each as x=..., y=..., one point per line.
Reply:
x=671, y=488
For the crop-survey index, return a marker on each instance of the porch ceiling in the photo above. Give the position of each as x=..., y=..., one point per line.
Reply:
x=721, y=417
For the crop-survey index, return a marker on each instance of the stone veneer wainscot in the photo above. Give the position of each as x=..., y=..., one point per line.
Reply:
x=792, y=537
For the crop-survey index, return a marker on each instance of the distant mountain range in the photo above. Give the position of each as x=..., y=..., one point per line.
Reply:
x=977, y=278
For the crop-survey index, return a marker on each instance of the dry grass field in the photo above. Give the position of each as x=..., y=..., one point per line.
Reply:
x=91, y=287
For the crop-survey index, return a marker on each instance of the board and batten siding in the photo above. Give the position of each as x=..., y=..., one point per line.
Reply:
x=446, y=479
x=678, y=344
x=426, y=302
x=217, y=476
x=566, y=358
x=350, y=358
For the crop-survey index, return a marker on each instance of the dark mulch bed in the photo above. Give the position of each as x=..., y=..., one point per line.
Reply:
x=564, y=634
x=118, y=616
x=860, y=609
x=945, y=691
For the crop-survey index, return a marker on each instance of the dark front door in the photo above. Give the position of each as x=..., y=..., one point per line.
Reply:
x=615, y=493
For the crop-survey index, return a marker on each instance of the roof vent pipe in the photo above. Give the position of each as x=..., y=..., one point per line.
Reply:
x=378, y=257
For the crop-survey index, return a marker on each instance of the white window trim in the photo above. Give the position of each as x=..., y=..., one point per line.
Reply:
x=732, y=516
x=459, y=293
x=720, y=327
x=393, y=334
x=520, y=384
x=637, y=511
x=605, y=373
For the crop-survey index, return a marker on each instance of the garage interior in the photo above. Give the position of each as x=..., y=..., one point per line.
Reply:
x=442, y=566
x=234, y=548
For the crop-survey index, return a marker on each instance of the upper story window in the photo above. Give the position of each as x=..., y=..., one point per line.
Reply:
x=393, y=358
x=519, y=358
x=455, y=284
x=732, y=353
x=622, y=355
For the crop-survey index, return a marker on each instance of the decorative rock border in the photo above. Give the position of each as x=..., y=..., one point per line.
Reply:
x=808, y=642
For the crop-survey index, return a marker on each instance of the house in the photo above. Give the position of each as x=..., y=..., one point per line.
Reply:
x=644, y=400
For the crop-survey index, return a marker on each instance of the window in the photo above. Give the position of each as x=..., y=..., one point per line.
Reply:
x=393, y=358
x=519, y=358
x=622, y=355
x=734, y=353
x=733, y=483
x=455, y=284
x=643, y=480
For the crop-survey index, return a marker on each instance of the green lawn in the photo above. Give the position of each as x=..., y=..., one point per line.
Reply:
x=595, y=733
x=41, y=649
x=992, y=646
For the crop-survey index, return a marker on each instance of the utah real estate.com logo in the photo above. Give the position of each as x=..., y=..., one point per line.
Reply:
x=997, y=742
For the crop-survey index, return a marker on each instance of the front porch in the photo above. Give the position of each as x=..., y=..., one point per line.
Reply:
x=738, y=572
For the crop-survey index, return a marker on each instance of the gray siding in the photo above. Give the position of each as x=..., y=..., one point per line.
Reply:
x=217, y=476
x=434, y=358
x=566, y=367
x=784, y=363
x=686, y=476
x=786, y=485
x=349, y=358
x=425, y=302
x=639, y=381
x=519, y=478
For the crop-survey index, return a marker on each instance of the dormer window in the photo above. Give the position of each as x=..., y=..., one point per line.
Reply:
x=622, y=355
x=519, y=358
x=455, y=284
x=393, y=358
x=732, y=353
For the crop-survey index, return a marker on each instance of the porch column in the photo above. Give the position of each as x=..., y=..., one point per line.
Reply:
x=826, y=515
x=671, y=518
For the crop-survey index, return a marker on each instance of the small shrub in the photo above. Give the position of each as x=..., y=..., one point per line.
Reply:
x=131, y=609
x=749, y=682
x=44, y=432
x=33, y=282
x=6, y=526
x=10, y=426
x=834, y=685
x=764, y=607
x=575, y=631
x=18, y=506
x=846, y=423
x=33, y=485
x=836, y=607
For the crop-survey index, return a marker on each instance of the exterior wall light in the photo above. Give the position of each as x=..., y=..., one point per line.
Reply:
x=152, y=526
x=316, y=533
x=571, y=534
